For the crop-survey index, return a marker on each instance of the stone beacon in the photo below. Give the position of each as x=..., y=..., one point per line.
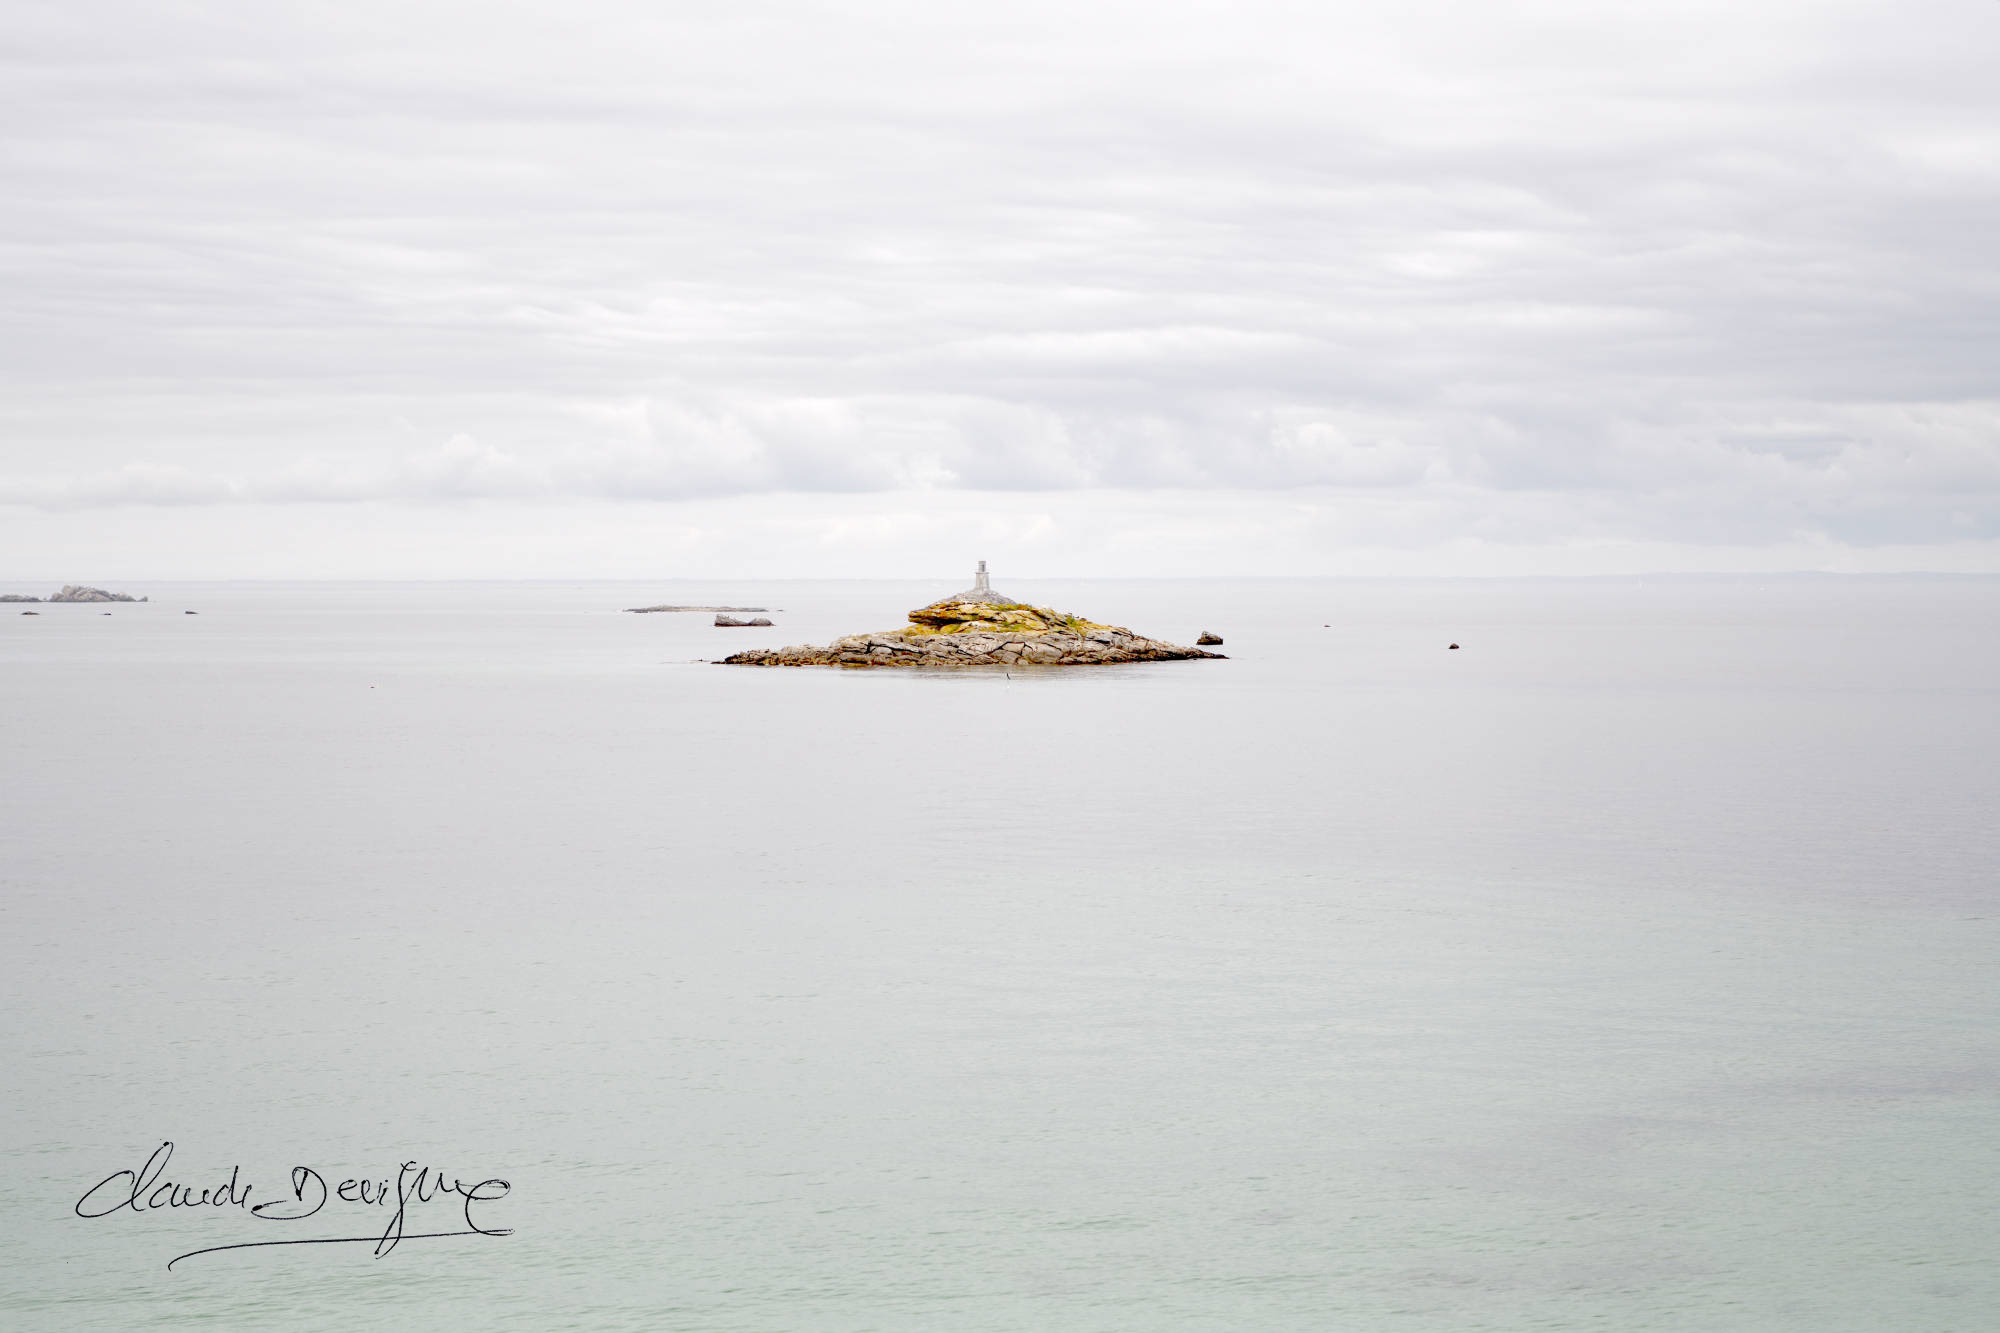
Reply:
x=980, y=591
x=980, y=627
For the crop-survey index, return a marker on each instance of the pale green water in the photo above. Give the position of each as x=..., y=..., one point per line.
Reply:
x=1635, y=967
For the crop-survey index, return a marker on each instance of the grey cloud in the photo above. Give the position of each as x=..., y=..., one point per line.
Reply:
x=1708, y=273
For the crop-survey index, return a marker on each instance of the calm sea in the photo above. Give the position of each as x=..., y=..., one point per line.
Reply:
x=1636, y=966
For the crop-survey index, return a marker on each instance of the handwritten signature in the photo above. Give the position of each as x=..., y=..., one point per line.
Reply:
x=143, y=1190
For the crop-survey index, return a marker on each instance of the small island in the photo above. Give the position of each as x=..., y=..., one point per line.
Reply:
x=979, y=627
x=75, y=592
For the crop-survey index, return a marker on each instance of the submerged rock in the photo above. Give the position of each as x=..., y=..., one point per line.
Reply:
x=964, y=631
x=1205, y=639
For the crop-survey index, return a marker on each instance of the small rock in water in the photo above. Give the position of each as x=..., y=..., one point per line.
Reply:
x=190, y=613
x=31, y=613
x=1208, y=640
x=731, y=622
x=1454, y=645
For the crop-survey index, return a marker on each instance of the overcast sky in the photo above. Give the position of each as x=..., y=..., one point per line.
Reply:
x=446, y=289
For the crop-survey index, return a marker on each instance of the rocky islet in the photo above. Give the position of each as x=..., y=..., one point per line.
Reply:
x=75, y=592
x=980, y=628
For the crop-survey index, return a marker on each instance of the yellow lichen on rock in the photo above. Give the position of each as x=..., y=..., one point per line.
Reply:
x=956, y=617
x=973, y=629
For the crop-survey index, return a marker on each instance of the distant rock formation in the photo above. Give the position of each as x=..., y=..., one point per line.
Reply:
x=977, y=628
x=648, y=610
x=731, y=622
x=76, y=592
x=1207, y=640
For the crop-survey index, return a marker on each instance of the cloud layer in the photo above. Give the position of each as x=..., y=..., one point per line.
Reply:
x=1713, y=274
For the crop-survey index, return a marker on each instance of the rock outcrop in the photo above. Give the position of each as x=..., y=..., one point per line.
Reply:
x=731, y=622
x=956, y=633
x=1207, y=640
x=17, y=597
x=76, y=592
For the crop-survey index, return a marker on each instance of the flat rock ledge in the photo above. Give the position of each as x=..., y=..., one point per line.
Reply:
x=649, y=610
x=956, y=633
